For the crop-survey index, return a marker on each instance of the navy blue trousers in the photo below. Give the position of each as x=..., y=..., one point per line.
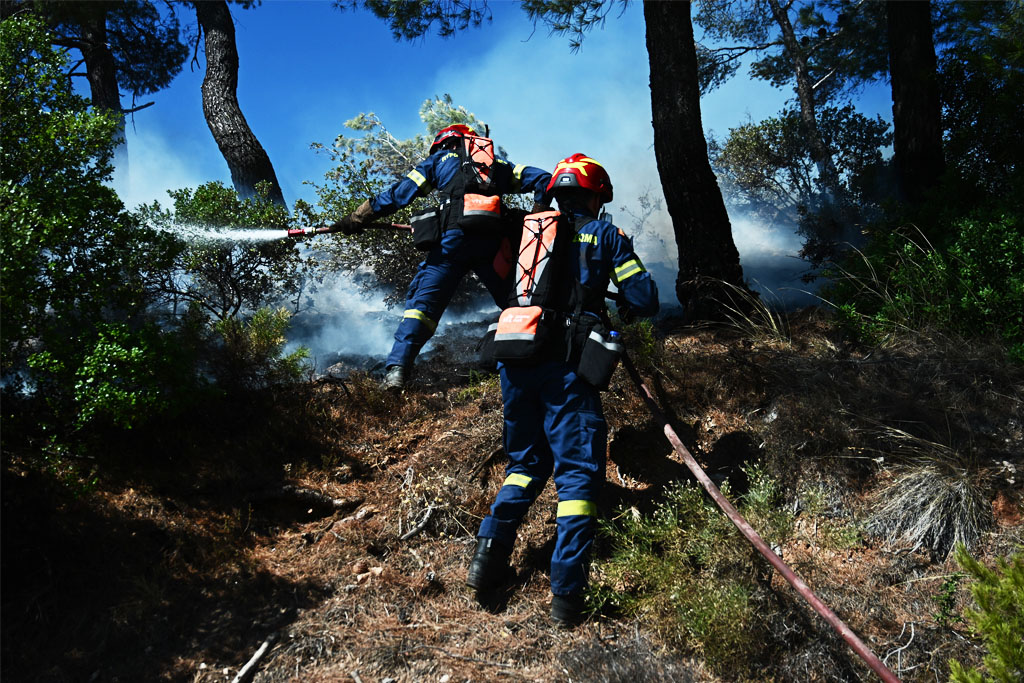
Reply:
x=435, y=283
x=554, y=424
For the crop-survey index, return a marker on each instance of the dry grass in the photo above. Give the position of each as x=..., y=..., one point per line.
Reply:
x=934, y=497
x=173, y=565
x=754, y=316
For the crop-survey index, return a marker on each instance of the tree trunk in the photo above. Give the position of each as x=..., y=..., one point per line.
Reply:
x=245, y=156
x=916, y=113
x=101, y=72
x=707, y=253
x=820, y=152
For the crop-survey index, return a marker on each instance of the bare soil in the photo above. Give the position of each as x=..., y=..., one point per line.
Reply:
x=335, y=522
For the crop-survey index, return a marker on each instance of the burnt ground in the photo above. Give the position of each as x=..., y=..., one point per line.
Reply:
x=335, y=522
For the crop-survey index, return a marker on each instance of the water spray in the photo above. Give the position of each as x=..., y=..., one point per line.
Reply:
x=300, y=233
x=192, y=232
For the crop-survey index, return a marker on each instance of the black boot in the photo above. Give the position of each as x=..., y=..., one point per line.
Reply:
x=567, y=610
x=489, y=567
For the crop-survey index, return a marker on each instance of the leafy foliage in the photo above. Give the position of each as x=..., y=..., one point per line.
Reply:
x=363, y=167
x=981, y=77
x=972, y=288
x=223, y=277
x=253, y=353
x=146, y=44
x=106, y=317
x=411, y=20
x=767, y=170
x=75, y=265
x=686, y=570
x=843, y=43
x=998, y=618
x=572, y=17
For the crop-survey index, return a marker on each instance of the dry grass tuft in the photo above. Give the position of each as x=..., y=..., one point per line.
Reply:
x=754, y=317
x=935, y=499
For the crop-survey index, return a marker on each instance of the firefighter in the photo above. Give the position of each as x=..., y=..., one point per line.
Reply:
x=459, y=249
x=554, y=423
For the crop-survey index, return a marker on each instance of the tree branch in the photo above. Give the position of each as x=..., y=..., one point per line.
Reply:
x=139, y=108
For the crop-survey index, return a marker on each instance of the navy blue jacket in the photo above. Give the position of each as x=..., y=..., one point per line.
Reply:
x=604, y=254
x=438, y=170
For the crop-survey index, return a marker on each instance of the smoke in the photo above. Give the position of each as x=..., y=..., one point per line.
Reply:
x=157, y=164
x=771, y=264
x=598, y=101
x=347, y=329
x=338, y=320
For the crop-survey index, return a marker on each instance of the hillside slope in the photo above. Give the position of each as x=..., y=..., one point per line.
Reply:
x=337, y=521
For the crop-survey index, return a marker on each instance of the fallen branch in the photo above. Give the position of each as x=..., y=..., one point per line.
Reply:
x=306, y=496
x=419, y=527
x=250, y=667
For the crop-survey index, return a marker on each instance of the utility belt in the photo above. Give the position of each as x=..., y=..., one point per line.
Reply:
x=529, y=335
x=477, y=214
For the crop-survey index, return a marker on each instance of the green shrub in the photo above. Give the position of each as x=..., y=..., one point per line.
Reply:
x=989, y=257
x=998, y=619
x=974, y=287
x=688, y=572
x=117, y=378
x=253, y=353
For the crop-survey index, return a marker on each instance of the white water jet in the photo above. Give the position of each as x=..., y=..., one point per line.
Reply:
x=192, y=232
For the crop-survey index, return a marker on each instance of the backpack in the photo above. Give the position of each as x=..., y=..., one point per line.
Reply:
x=546, y=317
x=533, y=316
x=474, y=204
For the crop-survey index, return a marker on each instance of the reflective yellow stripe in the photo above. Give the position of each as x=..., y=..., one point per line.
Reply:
x=628, y=269
x=422, y=317
x=517, y=177
x=570, y=508
x=516, y=479
x=419, y=179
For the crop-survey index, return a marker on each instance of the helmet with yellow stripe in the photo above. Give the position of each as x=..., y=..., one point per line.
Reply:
x=457, y=130
x=581, y=171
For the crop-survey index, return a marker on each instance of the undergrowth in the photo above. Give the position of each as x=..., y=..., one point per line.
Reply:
x=998, y=619
x=686, y=571
x=936, y=497
x=973, y=287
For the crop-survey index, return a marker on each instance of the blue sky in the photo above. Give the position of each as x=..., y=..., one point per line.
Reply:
x=306, y=68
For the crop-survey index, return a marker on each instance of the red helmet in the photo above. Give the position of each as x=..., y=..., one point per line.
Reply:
x=457, y=130
x=579, y=170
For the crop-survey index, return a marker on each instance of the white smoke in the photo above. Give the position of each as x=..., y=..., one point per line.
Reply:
x=157, y=165
x=342, y=321
x=353, y=327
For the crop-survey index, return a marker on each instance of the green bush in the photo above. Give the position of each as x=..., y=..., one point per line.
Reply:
x=989, y=258
x=687, y=571
x=998, y=619
x=974, y=287
x=253, y=352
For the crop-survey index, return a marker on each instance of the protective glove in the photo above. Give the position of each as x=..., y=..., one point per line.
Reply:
x=355, y=222
x=345, y=226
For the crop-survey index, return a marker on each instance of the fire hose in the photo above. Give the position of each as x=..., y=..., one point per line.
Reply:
x=855, y=643
x=326, y=229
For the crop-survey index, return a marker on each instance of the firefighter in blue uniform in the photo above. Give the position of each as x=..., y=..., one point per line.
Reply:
x=459, y=251
x=554, y=423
